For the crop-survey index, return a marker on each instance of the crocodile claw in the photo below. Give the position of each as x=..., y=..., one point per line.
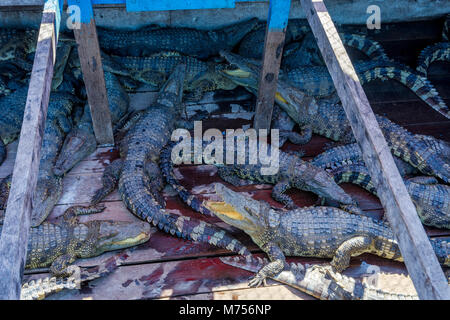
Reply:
x=257, y=280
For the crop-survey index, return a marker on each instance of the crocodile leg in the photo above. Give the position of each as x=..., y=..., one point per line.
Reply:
x=110, y=179
x=278, y=194
x=352, y=247
x=277, y=264
x=70, y=215
x=227, y=174
x=59, y=267
x=156, y=181
x=303, y=138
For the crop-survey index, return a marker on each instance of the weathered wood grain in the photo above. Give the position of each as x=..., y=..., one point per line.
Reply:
x=94, y=79
x=14, y=237
x=416, y=250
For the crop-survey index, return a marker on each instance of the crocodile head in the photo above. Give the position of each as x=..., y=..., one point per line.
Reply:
x=245, y=72
x=172, y=91
x=47, y=193
x=311, y=178
x=239, y=210
x=78, y=144
x=115, y=235
x=235, y=32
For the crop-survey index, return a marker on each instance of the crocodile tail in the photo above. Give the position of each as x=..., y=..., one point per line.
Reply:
x=441, y=247
x=418, y=84
x=436, y=52
x=201, y=231
x=144, y=205
x=356, y=174
x=371, y=48
x=166, y=167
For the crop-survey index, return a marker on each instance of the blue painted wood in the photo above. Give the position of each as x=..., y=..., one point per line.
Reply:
x=56, y=6
x=163, y=5
x=109, y=1
x=95, y=2
x=278, y=14
x=87, y=13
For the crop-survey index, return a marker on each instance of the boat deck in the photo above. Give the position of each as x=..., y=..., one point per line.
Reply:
x=170, y=268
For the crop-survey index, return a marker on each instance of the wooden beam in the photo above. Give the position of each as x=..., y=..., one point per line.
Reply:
x=14, y=237
x=273, y=51
x=420, y=260
x=93, y=76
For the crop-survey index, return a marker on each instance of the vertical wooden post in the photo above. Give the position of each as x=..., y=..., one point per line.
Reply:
x=93, y=76
x=14, y=237
x=273, y=51
x=420, y=259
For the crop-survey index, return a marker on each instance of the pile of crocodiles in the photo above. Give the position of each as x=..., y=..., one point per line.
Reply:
x=182, y=64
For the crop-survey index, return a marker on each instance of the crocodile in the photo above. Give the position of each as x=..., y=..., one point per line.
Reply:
x=42, y=288
x=49, y=187
x=319, y=281
x=301, y=47
x=307, y=52
x=252, y=44
x=18, y=47
x=192, y=42
x=58, y=244
x=81, y=142
x=351, y=153
x=200, y=76
x=323, y=232
x=62, y=56
x=316, y=80
x=329, y=120
x=437, y=52
x=139, y=179
x=431, y=199
x=293, y=172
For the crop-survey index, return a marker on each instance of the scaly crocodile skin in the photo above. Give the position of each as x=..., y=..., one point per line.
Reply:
x=432, y=200
x=324, y=232
x=293, y=172
x=329, y=119
x=319, y=281
x=436, y=52
x=200, y=76
x=81, y=142
x=151, y=39
x=56, y=245
x=316, y=81
x=49, y=187
x=307, y=52
x=44, y=287
x=139, y=178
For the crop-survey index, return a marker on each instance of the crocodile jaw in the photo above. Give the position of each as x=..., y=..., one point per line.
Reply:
x=119, y=235
x=232, y=209
x=77, y=146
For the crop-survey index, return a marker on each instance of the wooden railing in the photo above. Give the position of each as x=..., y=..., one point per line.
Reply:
x=415, y=247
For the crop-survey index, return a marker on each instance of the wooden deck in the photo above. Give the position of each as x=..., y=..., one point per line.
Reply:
x=169, y=268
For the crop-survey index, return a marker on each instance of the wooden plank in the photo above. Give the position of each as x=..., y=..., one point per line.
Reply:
x=421, y=262
x=273, y=52
x=14, y=237
x=93, y=76
x=209, y=276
